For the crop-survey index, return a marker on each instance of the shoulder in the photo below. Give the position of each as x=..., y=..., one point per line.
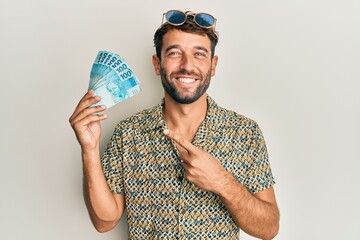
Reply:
x=141, y=121
x=229, y=119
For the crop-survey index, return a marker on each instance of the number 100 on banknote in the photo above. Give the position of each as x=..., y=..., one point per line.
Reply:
x=112, y=79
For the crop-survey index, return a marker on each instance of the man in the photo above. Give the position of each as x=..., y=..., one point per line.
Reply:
x=186, y=168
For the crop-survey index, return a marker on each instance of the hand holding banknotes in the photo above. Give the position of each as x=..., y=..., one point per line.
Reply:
x=111, y=81
x=86, y=121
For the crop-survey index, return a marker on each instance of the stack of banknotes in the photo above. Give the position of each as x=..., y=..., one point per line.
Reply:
x=112, y=79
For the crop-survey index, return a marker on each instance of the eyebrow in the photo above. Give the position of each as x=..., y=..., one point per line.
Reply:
x=178, y=46
x=172, y=47
x=201, y=48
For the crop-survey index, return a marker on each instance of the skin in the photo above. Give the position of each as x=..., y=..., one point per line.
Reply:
x=257, y=214
x=105, y=208
x=185, y=68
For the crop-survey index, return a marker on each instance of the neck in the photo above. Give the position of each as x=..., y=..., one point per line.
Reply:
x=185, y=119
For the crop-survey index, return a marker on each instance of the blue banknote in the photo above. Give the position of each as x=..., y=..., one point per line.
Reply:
x=112, y=79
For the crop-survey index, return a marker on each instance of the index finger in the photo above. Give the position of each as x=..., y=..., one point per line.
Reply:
x=80, y=106
x=87, y=95
x=180, y=140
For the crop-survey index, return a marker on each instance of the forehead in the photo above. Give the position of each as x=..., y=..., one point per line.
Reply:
x=185, y=40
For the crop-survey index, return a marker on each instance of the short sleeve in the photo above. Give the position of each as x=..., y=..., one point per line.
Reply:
x=111, y=162
x=259, y=175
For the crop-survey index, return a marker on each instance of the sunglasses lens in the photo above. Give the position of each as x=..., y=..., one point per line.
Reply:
x=175, y=17
x=204, y=19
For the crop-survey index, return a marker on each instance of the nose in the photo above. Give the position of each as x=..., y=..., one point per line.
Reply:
x=187, y=62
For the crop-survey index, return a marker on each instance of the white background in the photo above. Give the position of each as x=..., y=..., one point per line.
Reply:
x=293, y=66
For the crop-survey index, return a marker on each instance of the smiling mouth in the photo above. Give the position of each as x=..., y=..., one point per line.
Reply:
x=186, y=80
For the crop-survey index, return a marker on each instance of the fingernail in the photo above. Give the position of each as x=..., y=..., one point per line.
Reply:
x=166, y=131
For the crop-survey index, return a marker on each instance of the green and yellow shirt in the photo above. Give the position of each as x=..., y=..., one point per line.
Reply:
x=143, y=164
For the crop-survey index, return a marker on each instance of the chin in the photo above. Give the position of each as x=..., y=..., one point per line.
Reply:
x=185, y=100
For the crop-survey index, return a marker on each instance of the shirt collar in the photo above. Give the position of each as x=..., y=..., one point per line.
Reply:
x=208, y=122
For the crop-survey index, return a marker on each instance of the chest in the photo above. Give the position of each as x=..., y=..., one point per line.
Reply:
x=155, y=157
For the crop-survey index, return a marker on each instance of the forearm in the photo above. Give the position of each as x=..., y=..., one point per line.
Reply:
x=253, y=215
x=100, y=201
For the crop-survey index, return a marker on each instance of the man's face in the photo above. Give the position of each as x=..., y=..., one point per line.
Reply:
x=186, y=66
x=113, y=88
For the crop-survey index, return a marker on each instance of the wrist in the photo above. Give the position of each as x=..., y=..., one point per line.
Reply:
x=90, y=154
x=225, y=182
x=89, y=150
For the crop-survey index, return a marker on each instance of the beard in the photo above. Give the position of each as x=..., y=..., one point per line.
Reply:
x=179, y=96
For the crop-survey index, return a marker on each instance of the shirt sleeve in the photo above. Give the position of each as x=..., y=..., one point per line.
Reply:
x=259, y=175
x=111, y=162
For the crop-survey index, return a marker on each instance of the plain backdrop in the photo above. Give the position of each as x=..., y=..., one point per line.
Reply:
x=293, y=66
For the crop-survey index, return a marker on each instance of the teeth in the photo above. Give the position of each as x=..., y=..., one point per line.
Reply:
x=186, y=80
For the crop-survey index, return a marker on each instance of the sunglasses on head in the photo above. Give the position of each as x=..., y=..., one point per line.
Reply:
x=177, y=18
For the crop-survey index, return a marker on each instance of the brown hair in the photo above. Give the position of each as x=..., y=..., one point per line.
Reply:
x=190, y=27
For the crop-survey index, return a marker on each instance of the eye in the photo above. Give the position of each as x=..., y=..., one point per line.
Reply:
x=200, y=54
x=174, y=53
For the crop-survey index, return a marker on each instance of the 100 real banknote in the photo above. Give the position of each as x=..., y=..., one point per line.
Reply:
x=112, y=79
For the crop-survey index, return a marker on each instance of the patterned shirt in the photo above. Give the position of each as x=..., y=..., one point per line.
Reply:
x=142, y=163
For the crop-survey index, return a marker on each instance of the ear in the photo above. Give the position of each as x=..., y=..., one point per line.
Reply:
x=156, y=64
x=214, y=62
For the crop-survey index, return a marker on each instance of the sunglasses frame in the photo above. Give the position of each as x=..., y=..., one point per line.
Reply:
x=188, y=13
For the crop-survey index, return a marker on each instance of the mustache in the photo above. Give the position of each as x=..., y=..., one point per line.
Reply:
x=185, y=72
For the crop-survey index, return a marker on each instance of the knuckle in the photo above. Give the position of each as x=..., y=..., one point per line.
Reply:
x=93, y=117
x=182, y=141
x=72, y=122
x=90, y=111
x=190, y=162
x=189, y=177
x=74, y=125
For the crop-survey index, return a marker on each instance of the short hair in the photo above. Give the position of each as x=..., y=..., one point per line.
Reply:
x=188, y=26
